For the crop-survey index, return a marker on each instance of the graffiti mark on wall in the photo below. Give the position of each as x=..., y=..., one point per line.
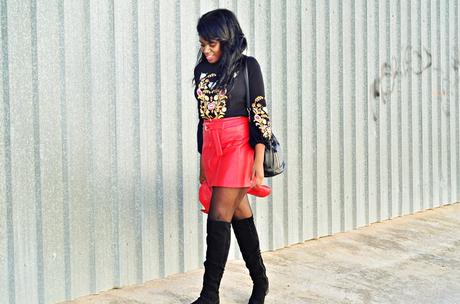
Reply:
x=413, y=62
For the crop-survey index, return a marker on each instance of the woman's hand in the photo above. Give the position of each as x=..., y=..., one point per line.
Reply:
x=257, y=177
x=257, y=174
x=202, y=174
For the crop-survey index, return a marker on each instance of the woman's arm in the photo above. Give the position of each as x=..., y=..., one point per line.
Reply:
x=202, y=173
x=199, y=139
x=260, y=124
x=258, y=168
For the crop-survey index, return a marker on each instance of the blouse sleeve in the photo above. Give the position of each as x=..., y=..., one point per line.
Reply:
x=199, y=131
x=260, y=128
x=199, y=136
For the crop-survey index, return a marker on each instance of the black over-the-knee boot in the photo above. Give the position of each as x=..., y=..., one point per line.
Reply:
x=218, y=245
x=248, y=240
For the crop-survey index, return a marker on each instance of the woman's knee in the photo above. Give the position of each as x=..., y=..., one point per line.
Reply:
x=244, y=209
x=224, y=202
x=221, y=212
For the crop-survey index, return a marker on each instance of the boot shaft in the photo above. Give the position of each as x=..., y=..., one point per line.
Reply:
x=248, y=240
x=218, y=245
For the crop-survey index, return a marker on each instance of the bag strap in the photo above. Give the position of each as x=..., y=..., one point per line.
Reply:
x=246, y=81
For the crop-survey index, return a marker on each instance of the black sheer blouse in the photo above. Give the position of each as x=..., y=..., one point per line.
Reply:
x=213, y=103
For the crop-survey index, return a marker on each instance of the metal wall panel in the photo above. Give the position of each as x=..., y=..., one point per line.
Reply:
x=99, y=166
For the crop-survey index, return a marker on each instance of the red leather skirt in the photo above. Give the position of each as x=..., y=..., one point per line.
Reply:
x=227, y=155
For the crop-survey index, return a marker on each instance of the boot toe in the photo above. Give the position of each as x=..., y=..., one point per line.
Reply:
x=202, y=300
x=259, y=291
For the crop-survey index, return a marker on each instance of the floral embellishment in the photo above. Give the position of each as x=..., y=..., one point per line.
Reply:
x=212, y=101
x=261, y=118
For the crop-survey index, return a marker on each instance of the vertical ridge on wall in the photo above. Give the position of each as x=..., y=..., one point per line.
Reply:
x=387, y=103
x=305, y=120
x=170, y=132
x=192, y=217
x=349, y=134
x=444, y=102
x=65, y=154
x=335, y=115
x=339, y=107
x=89, y=148
x=10, y=267
x=327, y=116
x=257, y=20
x=322, y=145
x=116, y=281
x=445, y=88
x=37, y=156
x=274, y=62
x=138, y=202
x=456, y=67
x=127, y=79
x=393, y=64
x=419, y=70
x=412, y=19
x=283, y=110
x=269, y=94
x=292, y=132
x=100, y=60
x=314, y=122
x=159, y=137
x=180, y=179
x=255, y=26
x=372, y=131
x=377, y=115
x=429, y=86
x=366, y=96
x=299, y=74
x=406, y=87
x=244, y=10
x=360, y=58
x=78, y=100
x=23, y=166
x=451, y=93
x=4, y=225
x=398, y=64
x=438, y=88
x=201, y=224
x=354, y=220
x=87, y=45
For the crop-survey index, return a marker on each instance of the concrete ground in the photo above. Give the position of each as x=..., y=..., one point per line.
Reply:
x=411, y=259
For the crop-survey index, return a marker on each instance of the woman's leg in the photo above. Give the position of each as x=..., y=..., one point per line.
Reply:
x=223, y=204
x=248, y=241
x=243, y=210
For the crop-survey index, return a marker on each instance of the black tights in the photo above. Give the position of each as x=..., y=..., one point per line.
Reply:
x=229, y=203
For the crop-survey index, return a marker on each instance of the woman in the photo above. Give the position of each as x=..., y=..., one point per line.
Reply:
x=231, y=142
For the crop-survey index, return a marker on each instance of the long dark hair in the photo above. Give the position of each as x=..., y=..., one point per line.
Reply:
x=223, y=26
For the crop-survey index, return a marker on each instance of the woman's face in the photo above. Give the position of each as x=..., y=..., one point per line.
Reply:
x=211, y=49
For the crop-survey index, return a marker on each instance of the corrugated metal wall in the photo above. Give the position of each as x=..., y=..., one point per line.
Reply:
x=98, y=162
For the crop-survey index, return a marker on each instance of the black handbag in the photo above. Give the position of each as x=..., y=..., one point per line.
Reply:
x=274, y=163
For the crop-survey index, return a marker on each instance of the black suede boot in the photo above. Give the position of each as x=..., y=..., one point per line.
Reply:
x=248, y=240
x=218, y=245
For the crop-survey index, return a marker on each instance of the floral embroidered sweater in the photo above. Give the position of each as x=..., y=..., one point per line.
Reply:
x=215, y=103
